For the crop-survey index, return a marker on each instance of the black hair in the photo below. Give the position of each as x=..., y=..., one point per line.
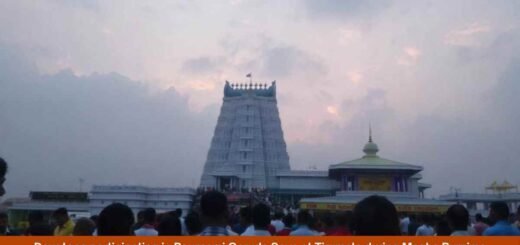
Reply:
x=60, y=212
x=3, y=167
x=278, y=215
x=178, y=212
x=84, y=227
x=149, y=215
x=479, y=218
x=246, y=214
x=288, y=220
x=304, y=218
x=442, y=228
x=116, y=219
x=343, y=219
x=169, y=225
x=193, y=223
x=500, y=209
x=35, y=216
x=213, y=204
x=375, y=215
x=328, y=220
x=458, y=217
x=261, y=216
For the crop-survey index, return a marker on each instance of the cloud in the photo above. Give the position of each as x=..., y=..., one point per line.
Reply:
x=344, y=9
x=200, y=65
x=332, y=110
x=348, y=35
x=355, y=76
x=410, y=56
x=282, y=61
x=263, y=56
x=478, y=142
x=104, y=128
x=468, y=36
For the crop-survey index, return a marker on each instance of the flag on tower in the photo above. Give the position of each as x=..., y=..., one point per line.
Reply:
x=248, y=75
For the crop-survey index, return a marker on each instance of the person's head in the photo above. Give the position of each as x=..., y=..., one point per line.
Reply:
x=246, y=217
x=149, y=216
x=426, y=219
x=116, y=219
x=304, y=218
x=288, y=220
x=214, y=208
x=261, y=216
x=3, y=172
x=84, y=227
x=413, y=218
x=140, y=217
x=375, y=215
x=328, y=220
x=278, y=215
x=178, y=212
x=458, y=217
x=498, y=211
x=343, y=219
x=169, y=225
x=60, y=216
x=35, y=217
x=479, y=218
x=193, y=224
x=442, y=228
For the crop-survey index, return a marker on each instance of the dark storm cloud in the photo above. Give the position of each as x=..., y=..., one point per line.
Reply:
x=55, y=129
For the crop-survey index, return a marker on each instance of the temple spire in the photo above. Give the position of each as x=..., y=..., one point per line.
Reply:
x=370, y=148
x=370, y=132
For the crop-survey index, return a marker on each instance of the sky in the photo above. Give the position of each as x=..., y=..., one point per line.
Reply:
x=128, y=92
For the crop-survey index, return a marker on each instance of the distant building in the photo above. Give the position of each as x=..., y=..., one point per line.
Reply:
x=140, y=197
x=84, y=204
x=374, y=175
x=479, y=202
x=77, y=203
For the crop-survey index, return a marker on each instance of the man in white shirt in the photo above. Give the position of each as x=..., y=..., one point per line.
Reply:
x=425, y=229
x=148, y=228
x=277, y=222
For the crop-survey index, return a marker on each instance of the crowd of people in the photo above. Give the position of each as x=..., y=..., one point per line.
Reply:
x=372, y=216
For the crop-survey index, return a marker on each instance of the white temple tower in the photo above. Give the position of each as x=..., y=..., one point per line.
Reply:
x=248, y=148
